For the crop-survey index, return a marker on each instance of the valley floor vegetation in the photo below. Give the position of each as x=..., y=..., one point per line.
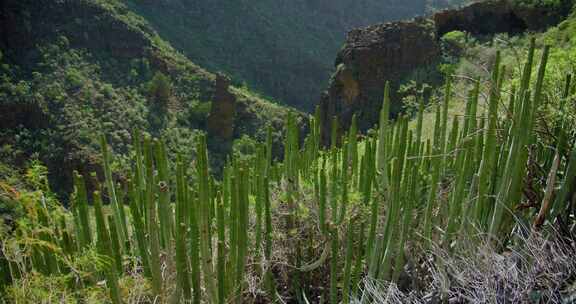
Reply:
x=481, y=211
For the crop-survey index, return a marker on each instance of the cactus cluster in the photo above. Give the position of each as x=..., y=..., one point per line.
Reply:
x=370, y=199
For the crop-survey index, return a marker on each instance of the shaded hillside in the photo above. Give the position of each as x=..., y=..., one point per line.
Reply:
x=71, y=69
x=281, y=48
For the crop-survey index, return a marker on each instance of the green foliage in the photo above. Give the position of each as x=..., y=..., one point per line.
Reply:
x=160, y=90
x=74, y=78
x=244, y=148
x=56, y=96
x=457, y=39
x=541, y=4
x=305, y=209
x=285, y=227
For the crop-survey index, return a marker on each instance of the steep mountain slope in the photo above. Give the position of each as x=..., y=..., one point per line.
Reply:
x=283, y=48
x=71, y=69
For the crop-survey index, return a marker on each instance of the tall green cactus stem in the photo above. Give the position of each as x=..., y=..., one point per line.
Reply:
x=138, y=227
x=268, y=150
x=353, y=150
x=204, y=219
x=464, y=167
x=67, y=242
x=47, y=254
x=152, y=224
x=139, y=172
x=164, y=209
x=121, y=193
x=348, y=263
x=233, y=222
x=268, y=279
x=452, y=141
x=431, y=200
x=182, y=273
x=358, y=265
x=104, y=248
x=333, y=265
x=489, y=159
x=382, y=167
x=221, y=247
x=511, y=187
x=343, y=184
x=444, y=123
x=194, y=236
x=111, y=190
x=242, y=232
x=81, y=205
x=259, y=202
x=323, y=199
x=407, y=214
x=115, y=245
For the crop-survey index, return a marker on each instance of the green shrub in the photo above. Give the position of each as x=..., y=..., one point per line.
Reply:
x=74, y=78
x=457, y=39
x=160, y=90
x=541, y=4
x=244, y=147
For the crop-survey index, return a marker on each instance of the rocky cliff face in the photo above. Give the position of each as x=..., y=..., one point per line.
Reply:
x=221, y=119
x=390, y=52
x=370, y=57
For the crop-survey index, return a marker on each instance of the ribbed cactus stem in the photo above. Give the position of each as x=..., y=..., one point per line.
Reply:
x=81, y=205
x=111, y=190
x=343, y=184
x=182, y=273
x=151, y=220
x=221, y=247
x=268, y=280
x=348, y=263
x=334, y=265
x=445, y=106
x=139, y=227
x=104, y=248
x=488, y=164
x=115, y=245
x=204, y=219
x=166, y=219
x=352, y=159
x=194, y=235
x=242, y=240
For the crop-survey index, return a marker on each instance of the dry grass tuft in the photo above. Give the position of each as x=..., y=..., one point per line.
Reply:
x=537, y=269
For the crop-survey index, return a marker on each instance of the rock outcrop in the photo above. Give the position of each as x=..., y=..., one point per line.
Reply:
x=370, y=57
x=489, y=17
x=390, y=52
x=221, y=119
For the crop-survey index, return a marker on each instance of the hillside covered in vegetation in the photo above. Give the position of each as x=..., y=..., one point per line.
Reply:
x=282, y=48
x=461, y=190
x=72, y=69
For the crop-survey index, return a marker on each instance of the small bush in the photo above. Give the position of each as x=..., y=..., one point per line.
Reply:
x=160, y=90
x=456, y=38
x=74, y=78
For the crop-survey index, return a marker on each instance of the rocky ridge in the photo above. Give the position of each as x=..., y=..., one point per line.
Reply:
x=373, y=55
